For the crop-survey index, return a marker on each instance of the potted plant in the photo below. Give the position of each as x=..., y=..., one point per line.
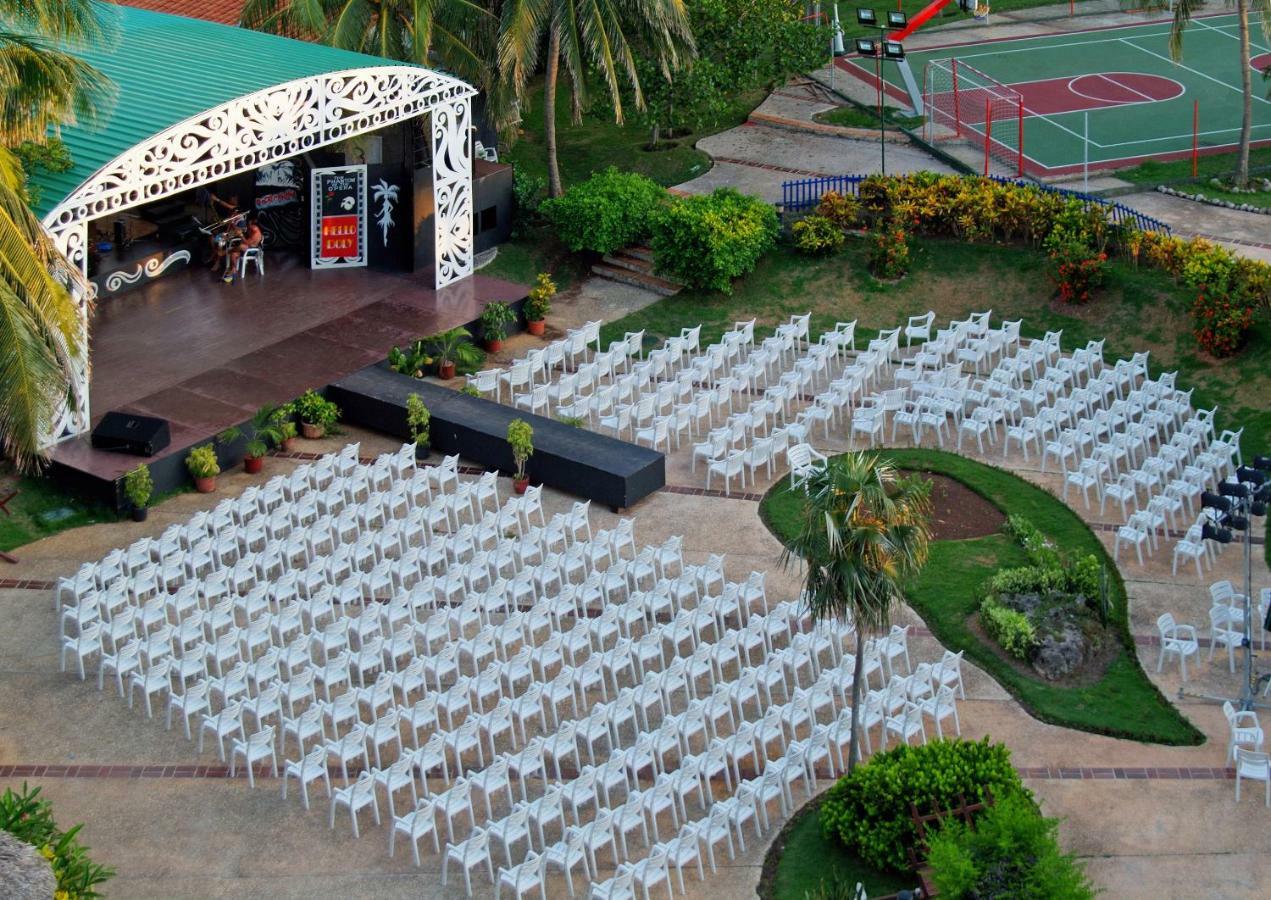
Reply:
x=445, y=347
x=204, y=468
x=417, y=420
x=539, y=303
x=284, y=420
x=265, y=431
x=138, y=487
x=317, y=414
x=495, y=319
x=521, y=440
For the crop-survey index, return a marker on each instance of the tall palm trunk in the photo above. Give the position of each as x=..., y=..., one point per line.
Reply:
x=854, y=740
x=554, y=187
x=1246, y=86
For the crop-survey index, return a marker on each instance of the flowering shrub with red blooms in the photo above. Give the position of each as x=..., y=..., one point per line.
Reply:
x=889, y=251
x=1076, y=269
x=1220, y=323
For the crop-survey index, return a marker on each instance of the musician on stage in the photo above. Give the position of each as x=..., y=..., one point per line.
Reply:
x=249, y=236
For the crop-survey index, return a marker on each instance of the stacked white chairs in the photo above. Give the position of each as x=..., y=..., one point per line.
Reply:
x=581, y=707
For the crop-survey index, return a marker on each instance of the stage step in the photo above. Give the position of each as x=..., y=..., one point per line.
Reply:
x=614, y=473
x=634, y=266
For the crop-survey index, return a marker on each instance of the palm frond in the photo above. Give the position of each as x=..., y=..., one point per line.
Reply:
x=43, y=87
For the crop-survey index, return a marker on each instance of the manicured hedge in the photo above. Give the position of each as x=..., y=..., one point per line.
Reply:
x=608, y=211
x=707, y=241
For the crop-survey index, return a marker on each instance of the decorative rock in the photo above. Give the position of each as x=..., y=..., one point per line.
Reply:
x=1060, y=653
x=24, y=873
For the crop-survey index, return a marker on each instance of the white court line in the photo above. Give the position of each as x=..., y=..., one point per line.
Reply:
x=1175, y=137
x=1075, y=43
x=1111, y=80
x=1234, y=37
x=1205, y=75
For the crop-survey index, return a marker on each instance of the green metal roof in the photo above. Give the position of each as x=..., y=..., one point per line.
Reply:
x=169, y=68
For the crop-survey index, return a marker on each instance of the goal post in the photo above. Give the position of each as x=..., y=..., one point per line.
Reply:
x=964, y=104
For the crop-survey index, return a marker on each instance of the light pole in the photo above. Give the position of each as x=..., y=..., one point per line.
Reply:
x=880, y=49
x=1233, y=509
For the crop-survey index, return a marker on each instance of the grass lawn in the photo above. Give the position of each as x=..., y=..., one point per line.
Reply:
x=42, y=509
x=863, y=117
x=1152, y=172
x=521, y=259
x=808, y=859
x=1262, y=199
x=1123, y=702
x=1138, y=309
x=598, y=142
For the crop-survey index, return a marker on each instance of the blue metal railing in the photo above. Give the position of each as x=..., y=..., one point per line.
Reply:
x=805, y=193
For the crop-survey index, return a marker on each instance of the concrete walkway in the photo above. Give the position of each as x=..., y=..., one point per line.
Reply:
x=1150, y=821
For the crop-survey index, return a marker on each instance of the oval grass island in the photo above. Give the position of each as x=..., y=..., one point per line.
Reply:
x=1120, y=701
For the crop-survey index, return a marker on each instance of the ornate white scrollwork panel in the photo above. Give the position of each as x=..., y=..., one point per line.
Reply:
x=452, y=190
x=72, y=418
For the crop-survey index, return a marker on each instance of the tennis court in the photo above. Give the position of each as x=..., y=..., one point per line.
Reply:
x=1139, y=102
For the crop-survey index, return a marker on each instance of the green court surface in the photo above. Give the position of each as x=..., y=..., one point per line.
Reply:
x=1138, y=101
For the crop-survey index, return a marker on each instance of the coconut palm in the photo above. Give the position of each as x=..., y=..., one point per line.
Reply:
x=458, y=36
x=862, y=535
x=1183, y=12
x=604, y=36
x=41, y=87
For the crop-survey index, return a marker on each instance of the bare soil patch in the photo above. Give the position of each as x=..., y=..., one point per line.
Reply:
x=959, y=513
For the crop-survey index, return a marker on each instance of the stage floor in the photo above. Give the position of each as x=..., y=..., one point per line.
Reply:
x=206, y=355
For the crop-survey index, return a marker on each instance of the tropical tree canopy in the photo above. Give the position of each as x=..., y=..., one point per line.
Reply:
x=41, y=87
x=458, y=36
x=1183, y=11
x=863, y=535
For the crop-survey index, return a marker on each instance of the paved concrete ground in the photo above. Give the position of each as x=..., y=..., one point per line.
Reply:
x=200, y=836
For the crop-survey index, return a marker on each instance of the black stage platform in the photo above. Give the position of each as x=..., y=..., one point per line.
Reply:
x=594, y=466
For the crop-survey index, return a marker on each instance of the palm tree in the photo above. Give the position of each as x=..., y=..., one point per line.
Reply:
x=459, y=36
x=604, y=35
x=863, y=534
x=42, y=86
x=1183, y=12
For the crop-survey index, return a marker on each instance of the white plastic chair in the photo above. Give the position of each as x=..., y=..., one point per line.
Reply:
x=1177, y=639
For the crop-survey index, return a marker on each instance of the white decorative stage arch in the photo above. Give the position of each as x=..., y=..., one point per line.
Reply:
x=272, y=124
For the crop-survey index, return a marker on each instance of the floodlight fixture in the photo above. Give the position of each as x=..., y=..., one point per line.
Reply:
x=866, y=17
x=866, y=47
x=897, y=18
x=1234, y=489
x=1250, y=475
x=1262, y=462
x=1215, y=534
x=1258, y=508
x=1236, y=523
x=1215, y=501
x=893, y=50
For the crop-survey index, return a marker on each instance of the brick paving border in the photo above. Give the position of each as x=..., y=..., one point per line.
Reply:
x=1037, y=773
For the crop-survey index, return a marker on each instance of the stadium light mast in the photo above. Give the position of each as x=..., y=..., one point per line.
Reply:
x=881, y=49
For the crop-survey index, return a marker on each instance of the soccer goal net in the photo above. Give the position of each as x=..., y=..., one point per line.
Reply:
x=964, y=104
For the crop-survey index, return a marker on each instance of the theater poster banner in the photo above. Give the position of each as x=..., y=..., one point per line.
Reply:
x=339, y=217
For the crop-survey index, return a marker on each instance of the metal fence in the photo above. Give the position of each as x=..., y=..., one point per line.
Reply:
x=805, y=193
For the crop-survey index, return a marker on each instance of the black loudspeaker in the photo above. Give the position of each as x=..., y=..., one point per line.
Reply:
x=128, y=433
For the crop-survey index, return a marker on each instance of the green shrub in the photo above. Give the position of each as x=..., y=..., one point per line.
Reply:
x=1041, y=552
x=842, y=209
x=521, y=440
x=138, y=486
x=608, y=211
x=1085, y=577
x=815, y=235
x=868, y=810
x=889, y=251
x=30, y=819
x=707, y=241
x=538, y=303
x=1010, y=628
x=418, y=419
x=202, y=462
x=315, y=409
x=1011, y=852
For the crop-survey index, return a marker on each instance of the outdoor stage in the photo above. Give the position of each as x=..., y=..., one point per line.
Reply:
x=206, y=355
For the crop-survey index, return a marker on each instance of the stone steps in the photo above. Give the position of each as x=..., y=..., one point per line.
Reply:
x=634, y=266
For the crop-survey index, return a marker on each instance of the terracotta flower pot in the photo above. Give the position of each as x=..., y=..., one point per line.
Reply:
x=446, y=371
x=536, y=327
x=139, y=513
x=288, y=445
x=253, y=465
x=311, y=431
x=493, y=346
x=520, y=485
x=205, y=485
